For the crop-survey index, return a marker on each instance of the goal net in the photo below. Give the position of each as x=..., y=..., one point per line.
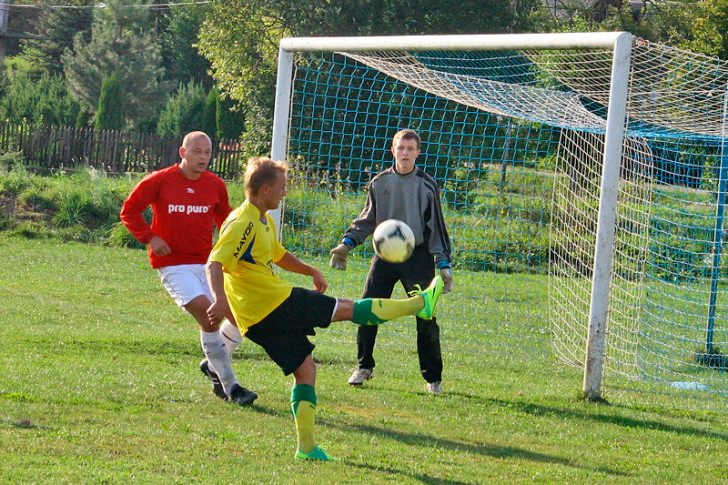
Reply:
x=516, y=138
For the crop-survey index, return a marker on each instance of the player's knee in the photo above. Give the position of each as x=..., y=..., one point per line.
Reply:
x=197, y=307
x=306, y=372
x=344, y=310
x=206, y=326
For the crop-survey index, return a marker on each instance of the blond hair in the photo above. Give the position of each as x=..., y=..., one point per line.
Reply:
x=262, y=171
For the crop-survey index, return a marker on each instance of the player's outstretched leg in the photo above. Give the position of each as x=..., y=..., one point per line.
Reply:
x=373, y=311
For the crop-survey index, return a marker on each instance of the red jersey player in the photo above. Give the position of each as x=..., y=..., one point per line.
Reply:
x=187, y=202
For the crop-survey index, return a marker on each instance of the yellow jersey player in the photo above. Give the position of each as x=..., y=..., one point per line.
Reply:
x=276, y=315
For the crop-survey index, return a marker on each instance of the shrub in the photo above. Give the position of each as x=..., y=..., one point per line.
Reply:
x=41, y=100
x=109, y=115
x=184, y=111
x=119, y=236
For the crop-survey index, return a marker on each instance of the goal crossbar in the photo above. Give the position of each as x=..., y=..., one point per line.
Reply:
x=494, y=42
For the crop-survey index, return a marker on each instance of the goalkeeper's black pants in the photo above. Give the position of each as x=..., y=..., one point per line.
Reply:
x=419, y=269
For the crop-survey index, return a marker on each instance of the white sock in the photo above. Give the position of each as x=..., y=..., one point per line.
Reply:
x=231, y=336
x=214, y=349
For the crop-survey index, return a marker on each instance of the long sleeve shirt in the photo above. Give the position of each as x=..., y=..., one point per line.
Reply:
x=184, y=213
x=413, y=198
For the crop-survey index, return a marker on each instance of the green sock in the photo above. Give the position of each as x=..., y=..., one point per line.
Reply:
x=373, y=311
x=303, y=405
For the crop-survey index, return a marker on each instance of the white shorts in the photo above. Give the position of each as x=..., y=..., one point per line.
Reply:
x=185, y=282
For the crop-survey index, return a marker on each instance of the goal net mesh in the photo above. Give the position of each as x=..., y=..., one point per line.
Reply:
x=515, y=140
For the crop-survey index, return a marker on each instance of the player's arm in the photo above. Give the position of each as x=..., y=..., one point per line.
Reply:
x=221, y=256
x=222, y=209
x=364, y=225
x=131, y=216
x=134, y=206
x=291, y=263
x=439, y=243
x=357, y=232
x=219, y=309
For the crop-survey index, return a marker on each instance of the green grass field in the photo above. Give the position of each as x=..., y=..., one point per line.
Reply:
x=100, y=385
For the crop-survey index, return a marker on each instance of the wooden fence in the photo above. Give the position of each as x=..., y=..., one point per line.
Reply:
x=51, y=148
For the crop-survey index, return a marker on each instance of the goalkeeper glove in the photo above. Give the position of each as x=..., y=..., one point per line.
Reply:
x=338, y=256
x=446, y=275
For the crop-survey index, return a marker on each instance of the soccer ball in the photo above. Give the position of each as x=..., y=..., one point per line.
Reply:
x=393, y=241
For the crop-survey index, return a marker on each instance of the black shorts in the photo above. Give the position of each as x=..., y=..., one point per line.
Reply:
x=284, y=332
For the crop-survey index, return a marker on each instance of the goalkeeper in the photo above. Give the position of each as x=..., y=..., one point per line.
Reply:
x=275, y=315
x=407, y=193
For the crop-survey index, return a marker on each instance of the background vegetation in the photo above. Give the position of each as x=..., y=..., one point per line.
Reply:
x=159, y=51
x=503, y=226
x=100, y=381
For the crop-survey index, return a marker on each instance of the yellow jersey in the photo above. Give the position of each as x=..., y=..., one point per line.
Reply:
x=247, y=249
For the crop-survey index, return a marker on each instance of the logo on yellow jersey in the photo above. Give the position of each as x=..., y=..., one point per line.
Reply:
x=246, y=233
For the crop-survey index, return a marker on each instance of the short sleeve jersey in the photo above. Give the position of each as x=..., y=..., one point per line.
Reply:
x=247, y=249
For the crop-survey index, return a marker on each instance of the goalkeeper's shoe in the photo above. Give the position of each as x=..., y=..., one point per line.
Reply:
x=217, y=388
x=241, y=395
x=315, y=454
x=358, y=377
x=431, y=295
x=434, y=387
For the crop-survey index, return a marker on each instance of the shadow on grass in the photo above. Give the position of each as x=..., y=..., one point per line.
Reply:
x=413, y=476
x=626, y=421
x=495, y=451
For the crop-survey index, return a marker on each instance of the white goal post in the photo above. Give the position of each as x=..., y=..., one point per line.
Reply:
x=619, y=42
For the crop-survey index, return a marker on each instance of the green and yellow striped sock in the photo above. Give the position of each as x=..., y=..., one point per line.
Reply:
x=373, y=311
x=303, y=405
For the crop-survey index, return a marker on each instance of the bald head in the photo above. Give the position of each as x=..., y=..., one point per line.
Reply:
x=193, y=137
x=195, y=152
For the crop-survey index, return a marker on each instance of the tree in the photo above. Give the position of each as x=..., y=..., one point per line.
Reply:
x=184, y=112
x=699, y=26
x=119, y=43
x=240, y=38
x=109, y=115
x=181, y=59
x=36, y=98
x=209, y=113
x=56, y=28
x=229, y=121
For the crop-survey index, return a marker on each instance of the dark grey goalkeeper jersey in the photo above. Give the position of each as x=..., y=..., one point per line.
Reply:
x=412, y=198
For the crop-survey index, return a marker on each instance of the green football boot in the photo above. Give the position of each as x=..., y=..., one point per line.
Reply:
x=431, y=294
x=315, y=454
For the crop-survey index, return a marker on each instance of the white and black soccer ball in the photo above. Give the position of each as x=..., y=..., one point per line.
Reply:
x=393, y=241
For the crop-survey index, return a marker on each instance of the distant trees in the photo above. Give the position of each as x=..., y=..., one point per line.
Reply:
x=33, y=96
x=56, y=29
x=699, y=26
x=190, y=108
x=109, y=115
x=181, y=60
x=120, y=42
x=184, y=111
x=222, y=56
x=240, y=38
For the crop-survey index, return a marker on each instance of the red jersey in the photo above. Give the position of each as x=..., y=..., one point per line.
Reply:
x=183, y=214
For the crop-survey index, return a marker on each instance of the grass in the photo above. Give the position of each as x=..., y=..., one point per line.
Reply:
x=100, y=385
